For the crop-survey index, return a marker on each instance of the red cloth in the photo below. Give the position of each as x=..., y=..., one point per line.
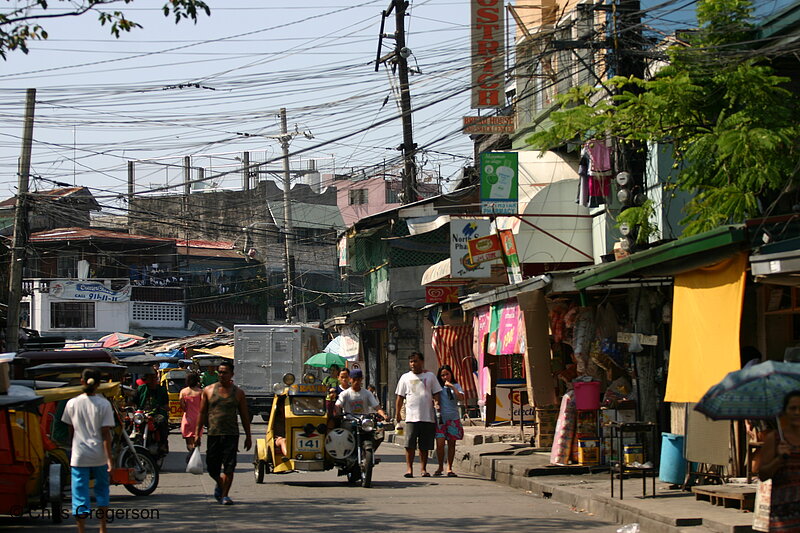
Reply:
x=453, y=346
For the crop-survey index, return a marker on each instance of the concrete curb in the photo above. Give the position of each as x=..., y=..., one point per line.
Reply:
x=666, y=518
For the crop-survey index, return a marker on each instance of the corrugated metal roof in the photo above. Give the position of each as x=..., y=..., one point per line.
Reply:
x=196, y=243
x=63, y=234
x=52, y=193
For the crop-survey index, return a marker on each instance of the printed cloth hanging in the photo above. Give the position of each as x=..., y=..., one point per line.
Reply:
x=452, y=345
x=594, y=172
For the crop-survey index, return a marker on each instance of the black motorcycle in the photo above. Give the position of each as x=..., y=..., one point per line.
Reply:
x=353, y=446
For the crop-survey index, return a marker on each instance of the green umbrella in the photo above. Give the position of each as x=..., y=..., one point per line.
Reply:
x=326, y=360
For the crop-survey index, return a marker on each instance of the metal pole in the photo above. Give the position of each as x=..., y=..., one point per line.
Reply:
x=187, y=175
x=20, y=227
x=288, y=232
x=408, y=147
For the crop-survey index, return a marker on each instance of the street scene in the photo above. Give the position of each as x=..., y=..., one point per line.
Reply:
x=400, y=265
x=294, y=502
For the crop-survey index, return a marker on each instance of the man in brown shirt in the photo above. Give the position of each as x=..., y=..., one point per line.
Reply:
x=220, y=404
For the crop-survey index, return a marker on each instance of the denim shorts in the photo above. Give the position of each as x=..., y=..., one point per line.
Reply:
x=80, y=488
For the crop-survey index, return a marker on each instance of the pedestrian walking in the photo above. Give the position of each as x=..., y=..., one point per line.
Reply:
x=90, y=419
x=779, y=460
x=219, y=405
x=190, y=399
x=420, y=391
x=448, y=425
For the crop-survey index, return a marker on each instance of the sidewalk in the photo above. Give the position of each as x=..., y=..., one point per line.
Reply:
x=497, y=454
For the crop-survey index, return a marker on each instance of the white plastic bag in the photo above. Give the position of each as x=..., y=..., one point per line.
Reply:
x=629, y=528
x=195, y=464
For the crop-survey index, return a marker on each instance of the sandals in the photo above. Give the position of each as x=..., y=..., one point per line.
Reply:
x=408, y=474
x=426, y=474
x=437, y=473
x=452, y=474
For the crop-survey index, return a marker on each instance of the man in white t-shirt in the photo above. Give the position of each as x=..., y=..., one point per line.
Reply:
x=91, y=419
x=420, y=390
x=357, y=400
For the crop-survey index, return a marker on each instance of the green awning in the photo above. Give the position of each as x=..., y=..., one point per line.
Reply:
x=671, y=258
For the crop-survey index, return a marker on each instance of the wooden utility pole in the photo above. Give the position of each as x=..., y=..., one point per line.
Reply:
x=20, y=228
x=288, y=233
x=400, y=59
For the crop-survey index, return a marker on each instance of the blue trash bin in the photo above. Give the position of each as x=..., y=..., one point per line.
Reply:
x=673, y=465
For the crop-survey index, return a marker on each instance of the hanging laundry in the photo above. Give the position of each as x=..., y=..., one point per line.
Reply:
x=601, y=158
x=583, y=179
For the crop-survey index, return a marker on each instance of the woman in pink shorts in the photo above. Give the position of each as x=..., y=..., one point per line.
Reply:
x=448, y=426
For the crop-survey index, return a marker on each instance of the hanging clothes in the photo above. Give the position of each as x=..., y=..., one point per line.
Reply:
x=583, y=178
x=600, y=171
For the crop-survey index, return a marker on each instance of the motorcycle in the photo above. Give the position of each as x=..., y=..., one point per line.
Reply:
x=144, y=432
x=353, y=446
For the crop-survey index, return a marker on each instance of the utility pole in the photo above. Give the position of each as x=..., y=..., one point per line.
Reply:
x=20, y=227
x=400, y=59
x=288, y=233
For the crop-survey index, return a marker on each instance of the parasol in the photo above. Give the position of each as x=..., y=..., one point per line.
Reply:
x=326, y=360
x=755, y=392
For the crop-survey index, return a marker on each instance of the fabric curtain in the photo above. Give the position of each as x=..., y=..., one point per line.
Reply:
x=453, y=346
x=706, y=318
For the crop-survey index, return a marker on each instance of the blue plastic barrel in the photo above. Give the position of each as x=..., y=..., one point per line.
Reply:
x=673, y=465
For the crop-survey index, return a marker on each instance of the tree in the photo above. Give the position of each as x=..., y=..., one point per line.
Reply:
x=730, y=119
x=23, y=23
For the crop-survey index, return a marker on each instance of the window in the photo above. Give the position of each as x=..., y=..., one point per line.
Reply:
x=72, y=315
x=393, y=189
x=359, y=196
x=67, y=265
x=24, y=314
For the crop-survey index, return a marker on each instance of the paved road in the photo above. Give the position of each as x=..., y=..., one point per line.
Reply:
x=305, y=502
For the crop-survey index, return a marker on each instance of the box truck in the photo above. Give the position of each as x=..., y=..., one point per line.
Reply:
x=264, y=353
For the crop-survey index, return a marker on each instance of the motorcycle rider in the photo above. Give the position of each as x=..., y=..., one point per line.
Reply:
x=357, y=400
x=153, y=397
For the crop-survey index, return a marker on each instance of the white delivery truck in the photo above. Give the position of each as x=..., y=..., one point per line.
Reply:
x=264, y=353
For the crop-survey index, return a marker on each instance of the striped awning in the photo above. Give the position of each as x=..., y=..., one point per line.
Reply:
x=453, y=346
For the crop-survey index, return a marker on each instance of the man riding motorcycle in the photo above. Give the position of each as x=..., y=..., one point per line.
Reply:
x=357, y=400
x=153, y=397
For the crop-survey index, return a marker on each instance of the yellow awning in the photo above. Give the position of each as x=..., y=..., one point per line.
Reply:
x=108, y=389
x=706, y=318
x=225, y=350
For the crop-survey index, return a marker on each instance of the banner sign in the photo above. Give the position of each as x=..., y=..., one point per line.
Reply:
x=499, y=182
x=484, y=125
x=488, y=54
x=461, y=264
x=511, y=257
x=88, y=291
x=485, y=248
x=341, y=248
x=350, y=343
x=442, y=294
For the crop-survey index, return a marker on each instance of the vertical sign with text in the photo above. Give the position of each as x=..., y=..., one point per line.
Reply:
x=488, y=54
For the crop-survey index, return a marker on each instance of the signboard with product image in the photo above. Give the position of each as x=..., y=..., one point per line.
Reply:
x=461, y=231
x=499, y=183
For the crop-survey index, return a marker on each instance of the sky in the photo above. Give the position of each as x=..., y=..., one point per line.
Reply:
x=215, y=87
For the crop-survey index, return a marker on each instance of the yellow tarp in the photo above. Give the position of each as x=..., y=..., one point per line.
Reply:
x=225, y=350
x=706, y=317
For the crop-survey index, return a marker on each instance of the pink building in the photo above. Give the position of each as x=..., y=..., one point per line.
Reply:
x=360, y=198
